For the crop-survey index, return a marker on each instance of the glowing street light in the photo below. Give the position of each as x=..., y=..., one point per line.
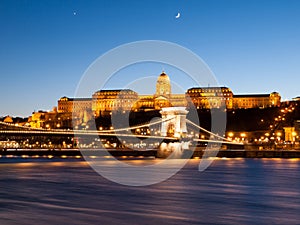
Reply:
x=230, y=134
x=243, y=135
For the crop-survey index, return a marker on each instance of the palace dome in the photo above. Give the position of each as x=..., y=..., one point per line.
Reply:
x=163, y=77
x=163, y=85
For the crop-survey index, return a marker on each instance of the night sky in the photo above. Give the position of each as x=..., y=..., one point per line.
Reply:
x=46, y=46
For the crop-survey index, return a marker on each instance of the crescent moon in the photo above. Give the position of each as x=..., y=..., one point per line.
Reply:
x=177, y=16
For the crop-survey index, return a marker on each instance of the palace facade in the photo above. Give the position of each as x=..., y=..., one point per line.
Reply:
x=74, y=105
x=256, y=100
x=104, y=101
x=210, y=97
x=110, y=100
x=217, y=97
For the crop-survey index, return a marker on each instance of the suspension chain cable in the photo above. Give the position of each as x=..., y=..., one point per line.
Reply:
x=201, y=128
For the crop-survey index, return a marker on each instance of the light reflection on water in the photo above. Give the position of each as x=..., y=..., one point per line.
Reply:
x=230, y=191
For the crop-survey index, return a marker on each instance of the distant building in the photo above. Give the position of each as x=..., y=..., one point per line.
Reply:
x=103, y=102
x=163, y=96
x=109, y=100
x=50, y=120
x=256, y=100
x=8, y=119
x=74, y=105
x=37, y=119
x=216, y=97
x=296, y=98
x=210, y=97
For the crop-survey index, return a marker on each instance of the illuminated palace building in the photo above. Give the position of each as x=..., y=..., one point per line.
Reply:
x=103, y=102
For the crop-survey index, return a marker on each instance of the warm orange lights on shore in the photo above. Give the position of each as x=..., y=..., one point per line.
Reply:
x=230, y=134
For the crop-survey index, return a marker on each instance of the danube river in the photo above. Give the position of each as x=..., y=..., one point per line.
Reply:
x=230, y=191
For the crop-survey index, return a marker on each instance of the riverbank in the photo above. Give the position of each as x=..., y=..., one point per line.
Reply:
x=148, y=153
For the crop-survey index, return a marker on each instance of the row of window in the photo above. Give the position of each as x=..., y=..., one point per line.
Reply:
x=116, y=93
x=214, y=90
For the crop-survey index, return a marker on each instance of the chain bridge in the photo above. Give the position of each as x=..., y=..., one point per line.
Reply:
x=172, y=127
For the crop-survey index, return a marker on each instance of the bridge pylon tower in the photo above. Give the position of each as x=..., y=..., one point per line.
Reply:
x=174, y=122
